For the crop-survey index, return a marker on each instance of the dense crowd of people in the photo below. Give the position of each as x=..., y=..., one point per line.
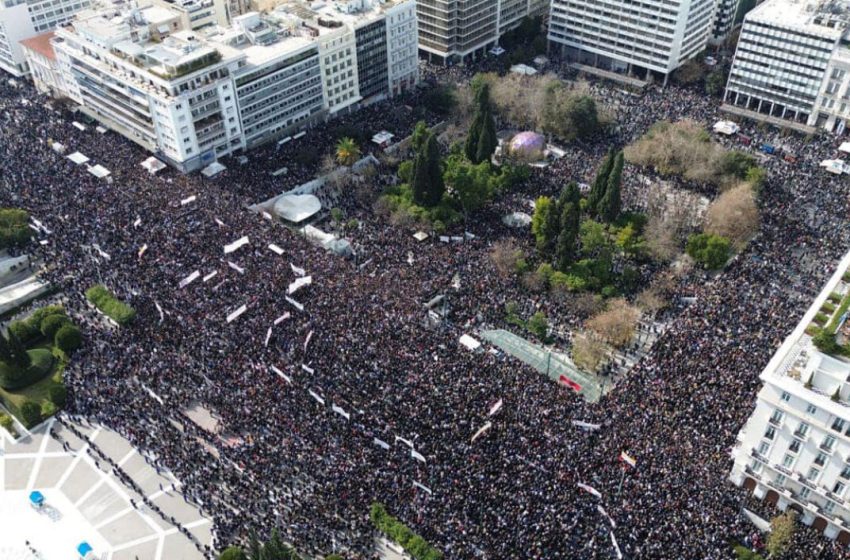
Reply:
x=352, y=399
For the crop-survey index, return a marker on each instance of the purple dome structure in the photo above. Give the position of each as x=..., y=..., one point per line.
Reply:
x=528, y=145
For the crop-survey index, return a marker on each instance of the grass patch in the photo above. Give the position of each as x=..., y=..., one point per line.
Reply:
x=38, y=392
x=828, y=307
x=834, y=297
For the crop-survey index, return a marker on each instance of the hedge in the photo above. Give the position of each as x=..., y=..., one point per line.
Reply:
x=58, y=394
x=110, y=306
x=13, y=377
x=51, y=324
x=30, y=413
x=412, y=543
x=232, y=553
x=7, y=423
x=29, y=330
x=68, y=338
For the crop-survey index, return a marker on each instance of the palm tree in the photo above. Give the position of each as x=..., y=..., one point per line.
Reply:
x=347, y=151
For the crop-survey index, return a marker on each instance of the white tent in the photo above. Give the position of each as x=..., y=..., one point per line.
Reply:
x=153, y=165
x=58, y=147
x=99, y=171
x=383, y=138
x=524, y=69
x=78, y=158
x=726, y=127
x=844, y=147
x=469, y=342
x=78, y=126
x=835, y=166
x=517, y=219
x=296, y=208
x=212, y=169
x=420, y=236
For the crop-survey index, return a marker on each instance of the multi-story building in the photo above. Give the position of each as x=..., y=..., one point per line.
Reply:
x=22, y=19
x=794, y=451
x=623, y=36
x=192, y=96
x=724, y=20
x=793, y=62
x=43, y=68
x=197, y=14
x=451, y=30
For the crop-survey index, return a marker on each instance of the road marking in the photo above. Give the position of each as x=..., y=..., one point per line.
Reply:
x=41, y=448
x=80, y=454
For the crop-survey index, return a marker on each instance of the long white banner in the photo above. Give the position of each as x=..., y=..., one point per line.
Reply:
x=282, y=375
x=230, y=247
x=341, y=412
x=237, y=313
x=480, y=431
x=297, y=305
x=189, y=279
x=316, y=396
x=298, y=284
x=275, y=248
x=236, y=267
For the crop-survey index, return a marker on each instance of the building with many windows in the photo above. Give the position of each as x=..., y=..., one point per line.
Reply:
x=724, y=20
x=793, y=62
x=22, y=19
x=623, y=36
x=194, y=95
x=794, y=451
x=451, y=30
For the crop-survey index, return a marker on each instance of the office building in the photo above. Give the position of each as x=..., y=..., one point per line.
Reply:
x=450, y=31
x=724, y=20
x=794, y=451
x=656, y=36
x=22, y=19
x=793, y=63
x=194, y=95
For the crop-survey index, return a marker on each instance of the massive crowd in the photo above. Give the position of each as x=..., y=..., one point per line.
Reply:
x=352, y=399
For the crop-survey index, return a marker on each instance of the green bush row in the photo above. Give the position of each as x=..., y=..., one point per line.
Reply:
x=110, y=306
x=412, y=543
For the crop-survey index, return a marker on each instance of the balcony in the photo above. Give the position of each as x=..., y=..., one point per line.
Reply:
x=801, y=434
x=775, y=421
x=827, y=448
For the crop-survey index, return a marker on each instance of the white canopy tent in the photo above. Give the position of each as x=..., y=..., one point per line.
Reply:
x=383, y=138
x=517, y=219
x=296, y=208
x=835, y=166
x=212, y=169
x=497, y=51
x=726, y=127
x=99, y=171
x=844, y=147
x=78, y=158
x=524, y=69
x=58, y=147
x=469, y=342
x=153, y=165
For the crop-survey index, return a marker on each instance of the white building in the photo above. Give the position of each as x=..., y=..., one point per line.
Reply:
x=192, y=96
x=451, y=31
x=22, y=19
x=43, y=68
x=793, y=62
x=625, y=36
x=794, y=451
x=724, y=20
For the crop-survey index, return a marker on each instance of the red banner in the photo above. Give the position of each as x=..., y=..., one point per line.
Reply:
x=570, y=383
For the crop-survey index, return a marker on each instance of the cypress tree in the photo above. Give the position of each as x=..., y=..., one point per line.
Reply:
x=551, y=228
x=481, y=140
x=18, y=351
x=570, y=193
x=487, y=140
x=611, y=204
x=600, y=183
x=428, y=184
x=565, y=251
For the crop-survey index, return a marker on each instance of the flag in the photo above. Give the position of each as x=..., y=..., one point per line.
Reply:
x=230, y=247
x=237, y=313
x=616, y=547
x=602, y=511
x=268, y=336
x=161, y=315
x=186, y=201
x=406, y=441
x=307, y=341
x=143, y=249
x=189, y=279
x=417, y=456
x=316, y=396
x=282, y=375
x=380, y=443
x=307, y=368
x=236, y=267
x=425, y=488
x=570, y=383
x=298, y=284
x=628, y=460
x=210, y=275
x=297, y=271
x=297, y=305
x=480, y=431
x=590, y=490
x=137, y=223
x=495, y=408
x=586, y=425
x=341, y=412
x=282, y=318
x=275, y=248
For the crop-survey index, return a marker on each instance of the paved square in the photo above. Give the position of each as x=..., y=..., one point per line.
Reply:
x=86, y=502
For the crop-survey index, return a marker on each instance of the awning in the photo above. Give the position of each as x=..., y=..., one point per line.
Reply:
x=99, y=171
x=78, y=158
x=212, y=169
x=382, y=138
x=420, y=236
x=153, y=165
x=726, y=127
x=469, y=342
x=58, y=147
x=296, y=208
x=523, y=69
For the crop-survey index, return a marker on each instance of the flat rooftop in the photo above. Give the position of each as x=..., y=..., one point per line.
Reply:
x=824, y=18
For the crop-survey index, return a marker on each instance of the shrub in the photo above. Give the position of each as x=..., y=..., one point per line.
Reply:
x=232, y=553
x=13, y=377
x=6, y=422
x=68, y=338
x=821, y=318
x=412, y=543
x=26, y=331
x=711, y=251
x=43, y=312
x=14, y=228
x=835, y=297
x=51, y=324
x=110, y=306
x=825, y=342
x=48, y=409
x=828, y=307
x=57, y=394
x=30, y=413
x=538, y=325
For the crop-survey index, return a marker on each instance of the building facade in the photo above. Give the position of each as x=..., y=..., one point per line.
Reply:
x=22, y=19
x=792, y=63
x=623, y=36
x=43, y=68
x=794, y=451
x=194, y=95
x=724, y=20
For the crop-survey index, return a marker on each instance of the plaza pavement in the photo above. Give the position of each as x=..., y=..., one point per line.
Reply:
x=86, y=502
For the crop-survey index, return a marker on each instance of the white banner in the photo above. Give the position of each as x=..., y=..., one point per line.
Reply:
x=282, y=375
x=267, y=216
x=589, y=490
x=186, y=201
x=405, y=441
x=341, y=412
x=142, y=250
x=616, y=546
x=495, y=408
x=297, y=305
x=268, y=336
x=236, y=267
x=586, y=425
x=210, y=275
x=298, y=284
x=189, y=279
x=308, y=369
x=161, y=314
x=480, y=431
x=237, y=313
x=101, y=252
x=425, y=488
x=380, y=443
x=298, y=271
x=275, y=248
x=282, y=318
x=315, y=396
x=137, y=223
x=602, y=511
x=307, y=341
x=220, y=223
x=230, y=247
x=417, y=456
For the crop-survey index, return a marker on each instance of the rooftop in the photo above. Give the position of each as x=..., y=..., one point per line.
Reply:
x=41, y=45
x=826, y=18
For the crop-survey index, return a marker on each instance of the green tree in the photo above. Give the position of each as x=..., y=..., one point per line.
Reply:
x=600, y=183
x=19, y=354
x=58, y=395
x=538, y=325
x=610, y=205
x=594, y=238
x=232, y=553
x=782, y=529
x=540, y=220
x=428, y=184
x=487, y=141
x=5, y=351
x=583, y=116
x=711, y=251
x=419, y=136
x=481, y=139
x=68, y=338
x=570, y=193
x=565, y=250
x=347, y=151
x=470, y=185
x=30, y=413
